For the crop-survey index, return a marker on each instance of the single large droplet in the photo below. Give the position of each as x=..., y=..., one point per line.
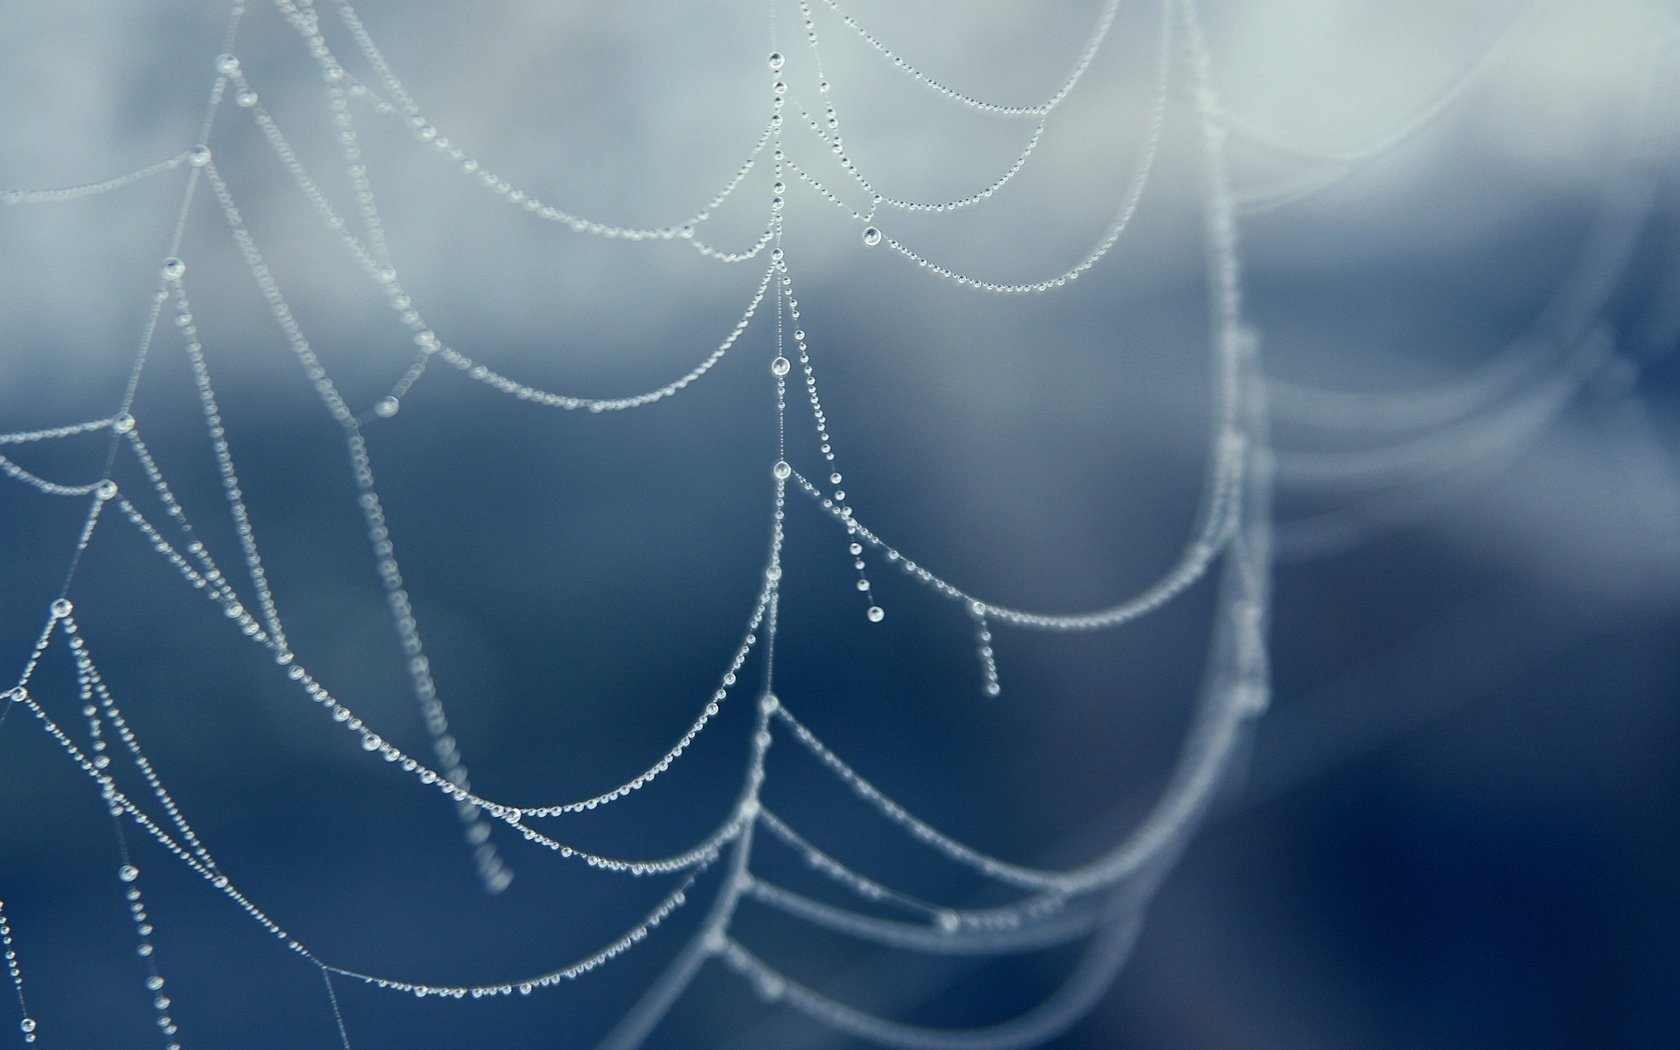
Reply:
x=871, y=236
x=198, y=156
x=782, y=470
x=173, y=268
x=61, y=608
x=227, y=65
x=387, y=407
x=123, y=424
x=776, y=60
x=876, y=614
x=245, y=99
x=781, y=366
x=128, y=873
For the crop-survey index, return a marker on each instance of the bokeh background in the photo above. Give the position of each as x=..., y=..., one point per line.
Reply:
x=1456, y=828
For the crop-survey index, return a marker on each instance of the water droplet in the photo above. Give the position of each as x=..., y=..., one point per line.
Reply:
x=949, y=921
x=387, y=407
x=123, y=424
x=770, y=987
x=780, y=87
x=61, y=608
x=993, y=689
x=173, y=268
x=776, y=60
x=781, y=366
x=778, y=187
x=782, y=470
x=776, y=203
x=227, y=65
x=128, y=873
x=198, y=156
x=106, y=489
x=871, y=236
x=245, y=99
x=876, y=614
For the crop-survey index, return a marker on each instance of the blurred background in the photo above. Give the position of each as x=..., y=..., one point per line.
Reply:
x=1457, y=827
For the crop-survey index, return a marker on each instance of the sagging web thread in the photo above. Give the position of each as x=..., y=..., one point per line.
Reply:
x=1482, y=419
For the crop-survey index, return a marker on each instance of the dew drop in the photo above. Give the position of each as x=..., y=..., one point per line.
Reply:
x=876, y=614
x=871, y=236
x=949, y=921
x=227, y=65
x=782, y=470
x=61, y=608
x=173, y=268
x=387, y=407
x=128, y=873
x=106, y=489
x=123, y=424
x=776, y=60
x=770, y=988
x=198, y=156
x=245, y=99
x=781, y=366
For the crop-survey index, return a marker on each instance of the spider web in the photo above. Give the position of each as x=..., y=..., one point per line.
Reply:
x=425, y=485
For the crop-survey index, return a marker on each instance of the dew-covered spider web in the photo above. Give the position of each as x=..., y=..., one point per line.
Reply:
x=755, y=525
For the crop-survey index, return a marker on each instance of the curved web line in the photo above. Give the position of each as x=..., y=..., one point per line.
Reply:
x=426, y=132
x=1105, y=21
x=427, y=339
